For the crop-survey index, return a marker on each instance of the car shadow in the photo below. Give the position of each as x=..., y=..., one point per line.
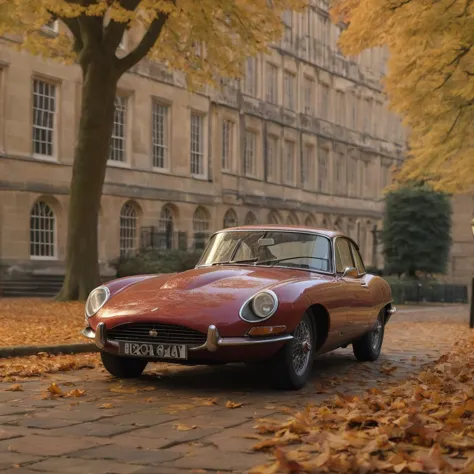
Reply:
x=238, y=377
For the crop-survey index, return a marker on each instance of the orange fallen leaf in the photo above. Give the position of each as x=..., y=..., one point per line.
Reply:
x=127, y=390
x=15, y=388
x=106, y=406
x=75, y=393
x=55, y=390
x=185, y=427
x=230, y=404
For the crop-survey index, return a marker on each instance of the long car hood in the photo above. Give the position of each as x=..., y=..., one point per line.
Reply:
x=206, y=294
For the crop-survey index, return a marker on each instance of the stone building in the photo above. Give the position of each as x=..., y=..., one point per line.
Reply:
x=304, y=138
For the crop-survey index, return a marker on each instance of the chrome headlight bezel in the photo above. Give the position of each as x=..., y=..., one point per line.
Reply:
x=90, y=312
x=251, y=314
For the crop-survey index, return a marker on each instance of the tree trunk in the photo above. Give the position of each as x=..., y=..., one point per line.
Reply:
x=88, y=174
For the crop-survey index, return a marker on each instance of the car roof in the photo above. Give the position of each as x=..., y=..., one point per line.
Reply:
x=301, y=228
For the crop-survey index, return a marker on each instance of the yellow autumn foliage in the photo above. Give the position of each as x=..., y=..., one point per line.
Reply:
x=206, y=39
x=430, y=79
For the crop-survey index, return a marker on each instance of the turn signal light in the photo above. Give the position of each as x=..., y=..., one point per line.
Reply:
x=266, y=330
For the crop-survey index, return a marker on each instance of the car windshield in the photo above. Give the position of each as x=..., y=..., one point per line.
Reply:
x=270, y=248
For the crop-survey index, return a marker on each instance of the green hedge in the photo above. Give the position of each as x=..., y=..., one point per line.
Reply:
x=154, y=261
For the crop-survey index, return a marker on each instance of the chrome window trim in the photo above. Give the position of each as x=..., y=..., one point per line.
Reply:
x=332, y=249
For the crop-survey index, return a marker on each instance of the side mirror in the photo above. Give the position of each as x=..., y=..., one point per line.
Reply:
x=350, y=272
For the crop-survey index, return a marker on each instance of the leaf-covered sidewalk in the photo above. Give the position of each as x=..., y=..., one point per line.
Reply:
x=38, y=322
x=425, y=424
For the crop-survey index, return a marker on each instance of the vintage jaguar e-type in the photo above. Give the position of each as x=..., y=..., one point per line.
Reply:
x=276, y=295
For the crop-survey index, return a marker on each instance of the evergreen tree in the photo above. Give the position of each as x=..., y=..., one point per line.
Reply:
x=416, y=234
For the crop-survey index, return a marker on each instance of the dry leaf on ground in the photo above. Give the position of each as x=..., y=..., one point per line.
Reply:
x=106, y=406
x=15, y=388
x=230, y=404
x=49, y=322
x=424, y=424
x=185, y=427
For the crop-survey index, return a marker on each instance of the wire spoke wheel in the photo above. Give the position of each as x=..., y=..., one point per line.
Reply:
x=301, y=352
x=376, y=335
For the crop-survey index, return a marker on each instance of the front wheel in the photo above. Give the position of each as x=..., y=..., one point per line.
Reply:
x=123, y=367
x=369, y=346
x=291, y=367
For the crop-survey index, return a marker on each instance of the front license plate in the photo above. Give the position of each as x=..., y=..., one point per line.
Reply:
x=158, y=351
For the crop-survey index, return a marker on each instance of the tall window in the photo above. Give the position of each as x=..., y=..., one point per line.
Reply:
x=250, y=219
x=197, y=144
x=307, y=166
x=128, y=229
x=289, y=162
x=166, y=229
x=272, y=84
x=351, y=176
x=42, y=231
x=288, y=26
x=250, y=84
x=340, y=108
x=272, y=218
x=308, y=96
x=290, y=86
x=324, y=101
x=250, y=155
x=160, y=135
x=230, y=219
x=272, y=157
x=340, y=174
x=292, y=220
x=227, y=144
x=200, y=228
x=44, y=117
x=323, y=170
x=117, y=148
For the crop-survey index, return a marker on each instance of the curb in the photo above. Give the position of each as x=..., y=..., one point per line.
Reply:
x=20, y=351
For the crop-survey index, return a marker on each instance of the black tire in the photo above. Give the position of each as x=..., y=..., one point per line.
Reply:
x=369, y=346
x=123, y=367
x=282, y=367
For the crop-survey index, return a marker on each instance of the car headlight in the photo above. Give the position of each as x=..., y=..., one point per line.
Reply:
x=264, y=304
x=97, y=298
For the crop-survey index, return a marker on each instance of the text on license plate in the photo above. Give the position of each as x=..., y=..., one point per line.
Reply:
x=162, y=351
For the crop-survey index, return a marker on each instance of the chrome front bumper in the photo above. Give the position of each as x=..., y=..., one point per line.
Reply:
x=213, y=341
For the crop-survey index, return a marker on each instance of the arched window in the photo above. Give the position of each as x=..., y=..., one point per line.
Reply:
x=128, y=229
x=325, y=222
x=250, y=218
x=201, y=224
x=42, y=231
x=292, y=219
x=310, y=222
x=230, y=219
x=166, y=229
x=273, y=218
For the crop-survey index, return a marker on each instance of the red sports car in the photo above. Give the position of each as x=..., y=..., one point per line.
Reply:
x=276, y=295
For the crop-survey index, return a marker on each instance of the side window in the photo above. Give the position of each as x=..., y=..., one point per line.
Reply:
x=358, y=260
x=343, y=255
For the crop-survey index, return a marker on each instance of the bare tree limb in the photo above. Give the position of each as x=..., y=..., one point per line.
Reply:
x=145, y=45
x=114, y=31
x=75, y=29
x=464, y=50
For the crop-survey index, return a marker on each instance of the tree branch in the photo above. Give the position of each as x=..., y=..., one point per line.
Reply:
x=75, y=29
x=114, y=31
x=455, y=62
x=145, y=45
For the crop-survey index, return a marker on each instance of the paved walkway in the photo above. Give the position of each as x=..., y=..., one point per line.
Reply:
x=175, y=420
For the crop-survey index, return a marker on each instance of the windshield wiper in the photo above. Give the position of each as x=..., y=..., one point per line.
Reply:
x=248, y=260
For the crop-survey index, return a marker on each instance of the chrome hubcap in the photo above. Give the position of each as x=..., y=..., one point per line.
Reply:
x=377, y=335
x=301, y=347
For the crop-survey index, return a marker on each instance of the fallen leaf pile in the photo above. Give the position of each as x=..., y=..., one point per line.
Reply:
x=47, y=322
x=54, y=391
x=34, y=366
x=424, y=425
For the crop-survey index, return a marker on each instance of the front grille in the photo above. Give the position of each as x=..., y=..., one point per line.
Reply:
x=167, y=334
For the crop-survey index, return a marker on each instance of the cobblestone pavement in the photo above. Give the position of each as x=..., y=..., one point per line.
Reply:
x=175, y=420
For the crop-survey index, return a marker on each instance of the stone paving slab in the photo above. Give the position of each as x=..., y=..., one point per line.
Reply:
x=166, y=422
